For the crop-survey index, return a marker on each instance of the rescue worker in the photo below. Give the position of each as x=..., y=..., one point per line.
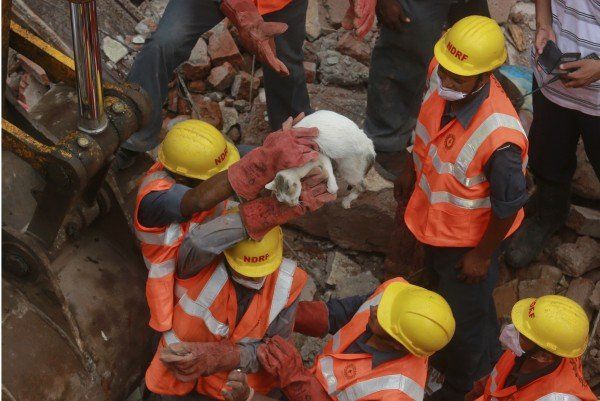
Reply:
x=467, y=188
x=267, y=28
x=379, y=350
x=543, y=361
x=197, y=171
x=224, y=313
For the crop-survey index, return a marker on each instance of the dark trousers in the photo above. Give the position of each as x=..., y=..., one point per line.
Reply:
x=475, y=347
x=553, y=138
x=399, y=67
x=182, y=24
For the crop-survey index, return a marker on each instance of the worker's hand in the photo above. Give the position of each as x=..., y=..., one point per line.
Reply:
x=281, y=359
x=287, y=148
x=314, y=191
x=391, y=14
x=586, y=72
x=190, y=360
x=473, y=267
x=543, y=34
x=236, y=387
x=256, y=35
x=360, y=16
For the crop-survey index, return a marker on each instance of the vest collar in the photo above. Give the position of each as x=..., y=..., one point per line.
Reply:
x=465, y=113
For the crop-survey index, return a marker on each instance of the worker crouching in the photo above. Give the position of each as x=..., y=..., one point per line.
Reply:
x=379, y=349
x=466, y=188
x=543, y=361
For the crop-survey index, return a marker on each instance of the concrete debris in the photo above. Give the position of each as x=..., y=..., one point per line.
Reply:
x=585, y=182
x=544, y=271
x=262, y=96
x=145, y=27
x=523, y=12
x=354, y=47
x=176, y=120
x=138, y=40
x=500, y=9
x=309, y=347
x=222, y=47
x=595, y=297
x=336, y=10
x=505, y=296
x=209, y=110
x=114, y=50
x=580, y=257
x=516, y=32
x=196, y=86
x=341, y=70
x=348, y=278
x=580, y=291
x=30, y=91
x=33, y=69
x=230, y=117
x=198, y=65
x=310, y=71
x=309, y=290
x=536, y=288
x=313, y=25
x=585, y=221
x=221, y=77
x=241, y=86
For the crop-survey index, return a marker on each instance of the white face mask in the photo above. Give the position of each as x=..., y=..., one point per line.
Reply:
x=509, y=337
x=450, y=94
x=253, y=285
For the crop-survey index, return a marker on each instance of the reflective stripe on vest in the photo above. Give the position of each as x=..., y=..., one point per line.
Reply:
x=168, y=237
x=391, y=382
x=327, y=371
x=157, y=175
x=281, y=294
x=493, y=375
x=335, y=339
x=162, y=269
x=467, y=153
x=434, y=82
x=447, y=197
x=170, y=337
x=559, y=397
x=200, y=306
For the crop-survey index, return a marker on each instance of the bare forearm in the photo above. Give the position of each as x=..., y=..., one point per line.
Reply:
x=543, y=13
x=207, y=195
x=494, y=234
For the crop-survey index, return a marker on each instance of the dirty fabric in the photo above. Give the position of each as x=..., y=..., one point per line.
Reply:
x=182, y=24
x=475, y=343
x=399, y=68
x=161, y=208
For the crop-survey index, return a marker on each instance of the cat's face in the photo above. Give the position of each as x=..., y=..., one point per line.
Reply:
x=287, y=188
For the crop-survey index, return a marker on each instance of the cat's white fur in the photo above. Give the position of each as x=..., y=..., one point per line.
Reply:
x=341, y=140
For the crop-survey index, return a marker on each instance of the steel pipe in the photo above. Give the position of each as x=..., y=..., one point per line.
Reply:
x=88, y=67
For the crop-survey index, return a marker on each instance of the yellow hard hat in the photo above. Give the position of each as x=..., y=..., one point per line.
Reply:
x=196, y=149
x=472, y=46
x=257, y=258
x=417, y=318
x=555, y=323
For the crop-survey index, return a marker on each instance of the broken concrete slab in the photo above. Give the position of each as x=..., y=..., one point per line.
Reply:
x=585, y=182
x=240, y=89
x=341, y=70
x=536, y=288
x=584, y=220
x=354, y=47
x=500, y=9
x=313, y=24
x=580, y=257
x=222, y=47
x=580, y=290
x=221, y=77
x=310, y=71
x=348, y=278
x=198, y=65
x=114, y=50
x=505, y=296
x=595, y=296
x=539, y=270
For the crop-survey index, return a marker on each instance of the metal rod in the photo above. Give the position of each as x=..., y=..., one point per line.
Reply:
x=88, y=67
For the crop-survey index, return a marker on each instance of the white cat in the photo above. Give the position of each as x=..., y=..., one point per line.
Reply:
x=339, y=139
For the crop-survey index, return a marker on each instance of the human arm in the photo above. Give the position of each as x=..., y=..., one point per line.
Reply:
x=161, y=208
x=238, y=389
x=508, y=193
x=543, y=21
x=405, y=183
x=585, y=72
x=391, y=14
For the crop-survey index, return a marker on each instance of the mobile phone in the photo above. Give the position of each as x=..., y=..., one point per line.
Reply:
x=565, y=58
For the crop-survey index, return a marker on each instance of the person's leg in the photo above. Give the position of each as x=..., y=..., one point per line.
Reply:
x=590, y=127
x=553, y=141
x=397, y=75
x=180, y=27
x=464, y=8
x=472, y=307
x=288, y=96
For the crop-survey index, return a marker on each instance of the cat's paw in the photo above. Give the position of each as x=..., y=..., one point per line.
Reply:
x=332, y=187
x=347, y=202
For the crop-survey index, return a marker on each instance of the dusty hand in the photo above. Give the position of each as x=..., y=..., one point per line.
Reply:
x=281, y=359
x=543, y=35
x=360, y=16
x=236, y=387
x=190, y=360
x=314, y=190
x=391, y=14
x=586, y=72
x=474, y=267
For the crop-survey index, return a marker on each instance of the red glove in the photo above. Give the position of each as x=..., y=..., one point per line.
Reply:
x=360, y=16
x=281, y=150
x=261, y=215
x=282, y=360
x=312, y=318
x=188, y=361
x=256, y=35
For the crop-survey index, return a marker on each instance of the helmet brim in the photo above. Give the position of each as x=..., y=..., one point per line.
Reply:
x=452, y=65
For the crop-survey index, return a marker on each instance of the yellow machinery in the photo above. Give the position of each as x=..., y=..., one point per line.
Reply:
x=74, y=313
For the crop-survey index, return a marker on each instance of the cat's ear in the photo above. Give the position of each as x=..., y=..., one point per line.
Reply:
x=270, y=186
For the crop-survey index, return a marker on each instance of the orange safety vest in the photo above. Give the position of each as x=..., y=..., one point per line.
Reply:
x=159, y=250
x=565, y=383
x=450, y=205
x=270, y=6
x=207, y=312
x=350, y=377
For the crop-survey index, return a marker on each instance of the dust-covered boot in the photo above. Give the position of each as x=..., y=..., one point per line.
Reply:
x=552, y=208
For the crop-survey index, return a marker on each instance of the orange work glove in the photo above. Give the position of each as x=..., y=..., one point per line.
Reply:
x=312, y=318
x=256, y=35
x=360, y=16
x=190, y=360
